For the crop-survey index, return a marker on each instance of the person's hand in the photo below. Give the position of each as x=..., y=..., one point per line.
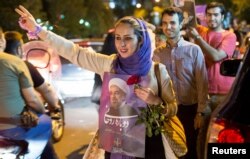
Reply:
x=147, y=95
x=193, y=33
x=54, y=109
x=26, y=20
x=29, y=119
x=55, y=112
x=198, y=121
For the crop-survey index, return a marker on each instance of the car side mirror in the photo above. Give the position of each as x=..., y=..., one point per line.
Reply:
x=40, y=58
x=230, y=67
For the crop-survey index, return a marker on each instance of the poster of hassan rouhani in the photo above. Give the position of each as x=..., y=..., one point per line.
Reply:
x=118, y=113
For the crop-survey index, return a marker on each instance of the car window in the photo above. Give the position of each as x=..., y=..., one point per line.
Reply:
x=243, y=101
x=237, y=108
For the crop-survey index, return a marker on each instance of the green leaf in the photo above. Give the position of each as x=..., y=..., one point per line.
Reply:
x=149, y=132
x=162, y=118
x=153, y=119
x=157, y=132
x=156, y=115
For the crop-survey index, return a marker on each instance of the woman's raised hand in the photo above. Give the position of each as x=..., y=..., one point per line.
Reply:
x=26, y=20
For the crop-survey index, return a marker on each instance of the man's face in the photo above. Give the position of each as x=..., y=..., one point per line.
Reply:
x=214, y=18
x=117, y=96
x=2, y=42
x=171, y=26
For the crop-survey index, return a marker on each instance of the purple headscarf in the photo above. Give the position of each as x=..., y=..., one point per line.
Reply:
x=140, y=62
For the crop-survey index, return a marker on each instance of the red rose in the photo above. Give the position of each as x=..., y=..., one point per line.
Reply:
x=133, y=80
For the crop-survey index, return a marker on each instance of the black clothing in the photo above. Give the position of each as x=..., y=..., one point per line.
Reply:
x=186, y=114
x=37, y=78
x=49, y=152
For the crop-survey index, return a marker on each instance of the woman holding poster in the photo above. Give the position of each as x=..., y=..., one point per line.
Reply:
x=119, y=135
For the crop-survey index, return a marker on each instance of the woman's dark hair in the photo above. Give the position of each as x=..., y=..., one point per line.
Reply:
x=109, y=44
x=173, y=10
x=216, y=4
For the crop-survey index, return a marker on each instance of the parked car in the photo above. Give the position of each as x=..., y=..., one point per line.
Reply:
x=76, y=81
x=95, y=43
x=229, y=127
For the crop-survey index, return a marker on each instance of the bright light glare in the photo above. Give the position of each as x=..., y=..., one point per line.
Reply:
x=112, y=5
x=81, y=21
x=87, y=24
x=62, y=16
x=138, y=5
x=74, y=88
x=45, y=27
x=133, y=2
x=38, y=20
x=51, y=27
x=157, y=1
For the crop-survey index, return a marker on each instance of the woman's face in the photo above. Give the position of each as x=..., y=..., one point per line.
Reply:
x=126, y=41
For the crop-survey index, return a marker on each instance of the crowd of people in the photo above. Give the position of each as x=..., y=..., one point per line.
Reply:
x=191, y=83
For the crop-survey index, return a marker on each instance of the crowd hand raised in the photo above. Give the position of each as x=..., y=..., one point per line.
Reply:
x=26, y=20
x=147, y=95
x=192, y=32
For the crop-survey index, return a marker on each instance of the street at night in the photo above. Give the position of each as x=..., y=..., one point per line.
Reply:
x=158, y=79
x=81, y=119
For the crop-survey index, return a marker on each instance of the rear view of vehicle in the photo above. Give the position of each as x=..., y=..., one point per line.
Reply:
x=229, y=129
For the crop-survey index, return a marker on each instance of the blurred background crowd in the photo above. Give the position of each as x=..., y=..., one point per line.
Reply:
x=82, y=18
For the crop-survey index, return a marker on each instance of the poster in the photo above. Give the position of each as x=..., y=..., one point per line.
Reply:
x=188, y=8
x=200, y=14
x=189, y=13
x=118, y=113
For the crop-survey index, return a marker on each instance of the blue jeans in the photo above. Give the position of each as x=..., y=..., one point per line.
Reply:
x=37, y=137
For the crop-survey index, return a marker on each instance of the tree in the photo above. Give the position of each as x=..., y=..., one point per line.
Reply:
x=99, y=16
x=242, y=8
x=8, y=16
x=78, y=18
x=63, y=16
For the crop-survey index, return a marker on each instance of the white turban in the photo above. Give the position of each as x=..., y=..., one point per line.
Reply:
x=119, y=83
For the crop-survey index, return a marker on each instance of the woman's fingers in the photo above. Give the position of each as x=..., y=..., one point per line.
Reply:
x=25, y=11
x=20, y=12
x=146, y=94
